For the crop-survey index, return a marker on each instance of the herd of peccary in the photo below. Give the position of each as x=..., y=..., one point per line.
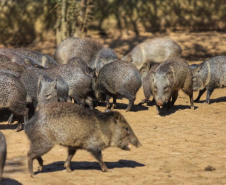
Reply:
x=56, y=98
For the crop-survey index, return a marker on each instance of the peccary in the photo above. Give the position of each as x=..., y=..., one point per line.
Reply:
x=79, y=82
x=93, y=53
x=14, y=67
x=13, y=95
x=171, y=75
x=118, y=78
x=3, y=152
x=152, y=50
x=209, y=75
x=76, y=127
x=41, y=59
x=147, y=84
x=75, y=61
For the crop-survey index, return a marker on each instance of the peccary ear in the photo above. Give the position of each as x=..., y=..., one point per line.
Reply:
x=199, y=68
x=54, y=85
x=40, y=84
x=117, y=117
x=152, y=75
x=44, y=61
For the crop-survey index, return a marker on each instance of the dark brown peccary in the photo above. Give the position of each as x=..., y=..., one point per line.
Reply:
x=3, y=152
x=13, y=95
x=152, y=50
x=209, y=75
x=76, y=127
x=147, y=84
x=118, y=79
x=42, y=59
x=171, y=76
x=93, y=53
x=79, y=82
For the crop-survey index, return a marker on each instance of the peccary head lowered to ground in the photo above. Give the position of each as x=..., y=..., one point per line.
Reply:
x=76, y=127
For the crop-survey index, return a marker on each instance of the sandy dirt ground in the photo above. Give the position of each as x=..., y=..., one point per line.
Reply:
x=176, y=146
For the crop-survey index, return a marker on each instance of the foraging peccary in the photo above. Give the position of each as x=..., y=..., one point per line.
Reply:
x=152, y=50
x=79, y=82
x=93, y=53
x=171, y=75
x=3, y=152
x=13, y=95
x=41, y=59
x=209, y=75
x=147, y=84
x=118, y=78
x=76, y=127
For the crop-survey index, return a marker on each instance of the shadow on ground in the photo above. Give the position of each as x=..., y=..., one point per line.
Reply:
x=59, y=166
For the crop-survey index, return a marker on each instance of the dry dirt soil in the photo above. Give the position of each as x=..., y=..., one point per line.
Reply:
x=177, y=147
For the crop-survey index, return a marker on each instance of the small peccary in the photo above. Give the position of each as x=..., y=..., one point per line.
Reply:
x=152, y=50
x=3, y=152
x=79, y=82
x=13, y=95
x=42, y=59
x=147, y=84
x=118, y=78
x=75, y=127
x=172, y=75
x=209, y=75
x=93, y=53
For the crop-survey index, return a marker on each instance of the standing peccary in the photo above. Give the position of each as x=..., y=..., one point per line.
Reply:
x=79, y=82
x=3, y=152
x=118, y=78
x=76, y=127
x=152, y=50
x=172, y=75
x=93, y=53
x=209, y=75
x=147, y=84
x=41, y=59
x=13, y=95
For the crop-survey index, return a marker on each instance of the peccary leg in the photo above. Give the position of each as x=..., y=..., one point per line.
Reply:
x=37, y=149
x=114, y=102
x=71, y=153
x=209, y=92
x=107, y=101
x=200, y=94
x=158, y=109
x=40, y=162
x=174, y=97
x=131, y=101
x=98, y=156
x=144, y=101
x=10, y=120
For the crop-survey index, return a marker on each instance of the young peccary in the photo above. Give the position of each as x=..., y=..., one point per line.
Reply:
x=3, y=152
x=209, y=75
x=79, y=82
x=93, y=53
x=41, y=59
x=76, y=127
x=13, y=95
x=118, y=78
x=172, y=75
x=147, y=84
x=152, y=50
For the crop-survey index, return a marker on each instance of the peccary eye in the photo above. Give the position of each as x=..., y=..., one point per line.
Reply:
x=166, y=88
x=48, y=96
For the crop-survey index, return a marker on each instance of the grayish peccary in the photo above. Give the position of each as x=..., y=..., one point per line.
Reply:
x=93, y=53
x=76, y=127
x=171, y=76
x=152, y=50
x=147, y=84
x=14, y=67
x=13, y=95
x=42, y=59
x=3, y=152
x=118, y=78
x=209, y=75
x=79, y=82
x=80, y=63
